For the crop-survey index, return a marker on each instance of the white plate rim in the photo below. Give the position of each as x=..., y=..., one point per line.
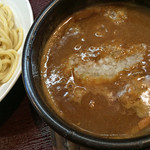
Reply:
x=8, y=85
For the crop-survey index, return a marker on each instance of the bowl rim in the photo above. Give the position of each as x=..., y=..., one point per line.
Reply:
x=57, y=124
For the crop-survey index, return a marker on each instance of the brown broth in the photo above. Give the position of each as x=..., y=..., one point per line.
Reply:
x=81, y=74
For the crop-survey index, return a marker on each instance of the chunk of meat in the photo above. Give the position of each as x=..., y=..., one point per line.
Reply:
x=136, y=96
x=144, y=123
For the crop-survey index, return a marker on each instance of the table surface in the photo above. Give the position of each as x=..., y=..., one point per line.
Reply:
x=20, y=126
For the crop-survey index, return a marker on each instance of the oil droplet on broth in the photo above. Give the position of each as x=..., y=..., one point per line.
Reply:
x=92, y=103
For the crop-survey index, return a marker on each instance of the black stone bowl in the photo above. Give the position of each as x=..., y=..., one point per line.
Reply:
x=39, y=33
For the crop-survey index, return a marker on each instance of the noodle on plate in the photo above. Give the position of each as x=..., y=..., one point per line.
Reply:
x=11, y=38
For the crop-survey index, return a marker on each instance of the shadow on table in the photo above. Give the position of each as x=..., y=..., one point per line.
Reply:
x=12, y=101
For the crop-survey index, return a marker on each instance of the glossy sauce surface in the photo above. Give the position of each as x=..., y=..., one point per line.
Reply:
x=95, y=70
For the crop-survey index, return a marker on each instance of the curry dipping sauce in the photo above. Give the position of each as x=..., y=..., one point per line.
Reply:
x=95, y=70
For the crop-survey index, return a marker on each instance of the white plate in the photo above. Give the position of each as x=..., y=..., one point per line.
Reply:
x=24, y=18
